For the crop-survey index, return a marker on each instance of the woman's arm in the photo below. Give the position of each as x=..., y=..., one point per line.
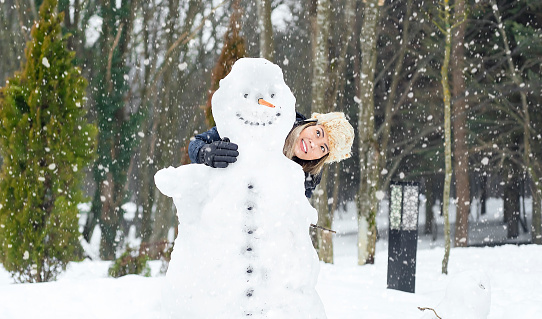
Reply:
x=209, y=149
x=311, y=181
x=201, y=140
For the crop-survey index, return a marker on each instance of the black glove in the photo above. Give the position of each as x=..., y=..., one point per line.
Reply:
x=218, y=154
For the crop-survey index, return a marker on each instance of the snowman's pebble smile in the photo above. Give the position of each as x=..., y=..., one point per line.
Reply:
x=256, y=123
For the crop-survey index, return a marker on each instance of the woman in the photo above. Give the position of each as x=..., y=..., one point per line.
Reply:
x=324, y=138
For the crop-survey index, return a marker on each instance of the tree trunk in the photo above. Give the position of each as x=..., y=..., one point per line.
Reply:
x=338, y=77
x=447, y=134
x=536, y=226
x=367, y=204
x=12, y=33
x=512, y=207
x=459, y=110
x=483, y=195
x=336, y=187
x=319, y=87
x=430, y=201
x=325, y=219
x=145, y=195
x=267, y=47
x=338, y=81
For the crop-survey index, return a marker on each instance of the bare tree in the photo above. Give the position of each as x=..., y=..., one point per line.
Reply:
x=460, y=130
x=319, y=105
x=367, y=203
x=530, y=171
x=446, y=28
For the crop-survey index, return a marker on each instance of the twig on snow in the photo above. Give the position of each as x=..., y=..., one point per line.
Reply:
x=423, y=309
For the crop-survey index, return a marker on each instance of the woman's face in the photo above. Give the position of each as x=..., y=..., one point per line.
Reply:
x=312, y=143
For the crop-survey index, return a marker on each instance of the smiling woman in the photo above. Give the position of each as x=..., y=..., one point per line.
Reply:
x=311, y=143
x=325, y=138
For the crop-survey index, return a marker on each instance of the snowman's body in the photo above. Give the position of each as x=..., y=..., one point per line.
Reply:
x=243, y=247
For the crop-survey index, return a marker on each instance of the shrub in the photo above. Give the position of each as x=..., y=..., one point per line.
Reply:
x=130, y=263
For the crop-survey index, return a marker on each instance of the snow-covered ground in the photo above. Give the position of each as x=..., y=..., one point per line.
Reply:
x=347, y=290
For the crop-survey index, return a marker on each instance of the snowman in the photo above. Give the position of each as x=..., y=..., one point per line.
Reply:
x=468, y=296
x=243, y=248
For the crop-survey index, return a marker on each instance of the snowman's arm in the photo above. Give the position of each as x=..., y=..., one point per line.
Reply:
x=169, y=181
x=180, y=181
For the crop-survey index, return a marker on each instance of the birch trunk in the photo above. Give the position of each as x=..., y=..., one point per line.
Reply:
x=366, y=199
x=319, y=85
x=447, y=134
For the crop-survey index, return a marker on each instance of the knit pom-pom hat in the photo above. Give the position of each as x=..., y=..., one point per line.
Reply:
x=340, y=134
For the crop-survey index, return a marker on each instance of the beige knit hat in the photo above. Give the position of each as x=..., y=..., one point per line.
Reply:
x=340, y=134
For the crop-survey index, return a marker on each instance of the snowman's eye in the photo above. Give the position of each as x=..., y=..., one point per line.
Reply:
x=245, y=96
x=273, y=95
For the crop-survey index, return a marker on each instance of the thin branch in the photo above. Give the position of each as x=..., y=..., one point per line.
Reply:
x=439, y=27
x=183, y=39
x=110, y=60
x=323, y=228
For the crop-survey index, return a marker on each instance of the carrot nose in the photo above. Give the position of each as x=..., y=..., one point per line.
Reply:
x=264, y=102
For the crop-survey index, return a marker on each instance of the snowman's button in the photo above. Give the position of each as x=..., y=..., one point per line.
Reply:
x=250, y=292
x=249, y=270
x=249, y=249
x=250, y=232
x=250, y=186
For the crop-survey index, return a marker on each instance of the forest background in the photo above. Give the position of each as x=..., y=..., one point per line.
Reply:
x=152, y=66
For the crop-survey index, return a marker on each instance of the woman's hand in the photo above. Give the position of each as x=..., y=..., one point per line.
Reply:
x=218, y=154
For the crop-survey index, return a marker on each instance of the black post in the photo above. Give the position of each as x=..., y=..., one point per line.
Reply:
x=403, y=235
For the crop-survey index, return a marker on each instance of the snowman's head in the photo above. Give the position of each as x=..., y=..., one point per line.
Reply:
x=254, y=106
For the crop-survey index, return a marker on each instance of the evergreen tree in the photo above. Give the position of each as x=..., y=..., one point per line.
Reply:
x=117, y=127
x=45, y=142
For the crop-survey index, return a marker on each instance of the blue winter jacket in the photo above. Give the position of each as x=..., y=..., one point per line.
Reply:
x=311, y=181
